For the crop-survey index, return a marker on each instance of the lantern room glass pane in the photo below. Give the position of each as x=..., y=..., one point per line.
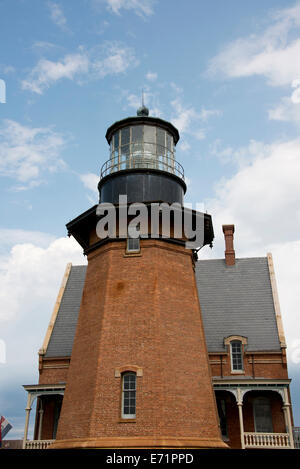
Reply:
x=137, y=133
x=169, y=142
x=161, y=142
x=125, y=136
x=149, y=134
x=136, y=145
x=116, y=140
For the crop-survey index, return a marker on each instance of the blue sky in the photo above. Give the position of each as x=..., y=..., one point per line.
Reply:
x=226, y=74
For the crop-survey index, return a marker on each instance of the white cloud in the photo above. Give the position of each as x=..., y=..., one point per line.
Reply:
x=150, y=99
x=184, y=145
x=30, y=267
x=273, y=54
x=46, y=72
x=43, y=45
x=183, y=117
x=151, y=76
x=134, y=101
x=295, y=98
x=30, y=276
x=240, y=156
x=90, y=182
x=10, y=237
x=26, y=152
x=187, y=119
x=110, y=58
x=57, y=15
x=8, y=69
x=288, y=109
x=262, y=199
x=264, y=194
x=285, y=111
x=142, y=8
x=177, y=89
x=286, y=262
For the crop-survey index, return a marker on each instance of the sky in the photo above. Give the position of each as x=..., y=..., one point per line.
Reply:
x=226, y=74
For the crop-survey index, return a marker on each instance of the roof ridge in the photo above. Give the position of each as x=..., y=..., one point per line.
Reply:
x=237, y=258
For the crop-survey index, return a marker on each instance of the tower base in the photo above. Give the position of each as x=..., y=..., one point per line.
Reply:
x=139, y=443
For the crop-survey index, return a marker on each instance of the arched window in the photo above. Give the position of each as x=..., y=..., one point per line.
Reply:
x=262, y=415
x=236, y=353
x=129, y=395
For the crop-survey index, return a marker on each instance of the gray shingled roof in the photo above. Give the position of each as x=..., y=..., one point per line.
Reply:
x=61, y=340
x=235, y=300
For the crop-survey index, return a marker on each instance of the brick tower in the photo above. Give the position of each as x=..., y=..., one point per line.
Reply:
x=139, y=375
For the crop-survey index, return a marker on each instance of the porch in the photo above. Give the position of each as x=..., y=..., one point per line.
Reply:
x=37, y=444
x=49, y=399
x=242, y=410
x=254, y=414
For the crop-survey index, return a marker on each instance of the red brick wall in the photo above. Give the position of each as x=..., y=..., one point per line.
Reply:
x=122, y=322
x=53, y=370
x=141, y=311
x=269, y=366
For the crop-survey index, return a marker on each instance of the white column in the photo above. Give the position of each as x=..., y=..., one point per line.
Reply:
x=285, y=418
x=28, y=409
x=240, y=408
x=287, y=407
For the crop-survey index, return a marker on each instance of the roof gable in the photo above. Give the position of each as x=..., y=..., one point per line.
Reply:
x=62, y=337
x=237, y=300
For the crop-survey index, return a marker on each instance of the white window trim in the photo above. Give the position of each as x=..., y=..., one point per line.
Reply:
x=127, y=416
x=239, y=370
x=133, y=250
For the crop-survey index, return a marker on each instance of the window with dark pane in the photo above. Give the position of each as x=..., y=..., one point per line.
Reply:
x=262, y=415
x=129, y=395
x=236, y=355
x=133, y=244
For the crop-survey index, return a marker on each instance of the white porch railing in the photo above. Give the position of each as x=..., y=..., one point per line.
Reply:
x=38, y=444
x=267, y=440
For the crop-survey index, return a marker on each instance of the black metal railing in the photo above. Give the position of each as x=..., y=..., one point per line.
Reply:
x=133, y=161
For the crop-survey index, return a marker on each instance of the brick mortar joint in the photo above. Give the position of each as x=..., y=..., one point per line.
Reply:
x=149, y=244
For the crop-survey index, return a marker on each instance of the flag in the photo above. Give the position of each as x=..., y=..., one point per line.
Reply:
x=5, y=426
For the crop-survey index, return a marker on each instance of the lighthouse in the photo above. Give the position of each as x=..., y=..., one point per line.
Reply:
x=139, y=374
